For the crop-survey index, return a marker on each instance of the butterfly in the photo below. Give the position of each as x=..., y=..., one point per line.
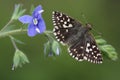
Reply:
x=81, y=43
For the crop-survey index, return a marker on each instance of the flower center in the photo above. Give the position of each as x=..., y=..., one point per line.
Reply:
x=35, y=21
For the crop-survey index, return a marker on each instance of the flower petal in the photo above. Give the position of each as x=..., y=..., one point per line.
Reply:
x=32, y=30
x=25, y=19
x=41, y=25
x=37, y=10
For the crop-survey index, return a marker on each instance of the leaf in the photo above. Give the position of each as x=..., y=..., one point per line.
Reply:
x=109, y=51
x=100, y=41
x=19, y=59
x=47, y=48
x=56, y=47
x=17, y=40
x=32, y=8
x=18, y=11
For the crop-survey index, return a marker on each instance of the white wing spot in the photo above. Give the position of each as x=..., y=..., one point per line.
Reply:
x=80, y=59
x=58, y=39
x=65, y=22
x=88, y=59
x=76, y=58
x=70, y=54
x=73, y=56
x=54, y=30
x=58, y=32
x=82, y=54
x=95, y=51
x=87, y=50
x=66, y=30
x=78, y=55
x=70, y=25
x=54, y=24
x=54, y=21
x=74, y=49
x=65, y=26
x=85, y=58
x=60, y=14
x=53, y=12
x=55, y=34
x=93, y=46
x=90, y=49
x=81, y=47
x=63, y=37
x=61, y=20
x=56, y=27
x=68, y=20
x=61, y=42
x=58, y=18
x=88, y=44
x=92, y=53
x=98, y=54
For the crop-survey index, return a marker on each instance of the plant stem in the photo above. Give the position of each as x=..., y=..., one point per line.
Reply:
x=12, y=32
x=48, y=34
x=10, y=21
x=13, y=42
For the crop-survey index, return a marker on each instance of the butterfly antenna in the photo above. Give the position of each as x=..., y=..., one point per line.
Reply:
x=86, y=21
x=99, y=33
x=84, y=18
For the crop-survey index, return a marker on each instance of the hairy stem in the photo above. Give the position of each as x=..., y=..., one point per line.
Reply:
x=10, y=21
x=12, y=32
x=13, y=42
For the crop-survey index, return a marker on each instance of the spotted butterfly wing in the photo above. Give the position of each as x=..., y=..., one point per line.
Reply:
x=63, y=27
x=86, y=49
x=69, y=31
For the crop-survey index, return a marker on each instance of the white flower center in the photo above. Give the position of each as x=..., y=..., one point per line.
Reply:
x=35, y=21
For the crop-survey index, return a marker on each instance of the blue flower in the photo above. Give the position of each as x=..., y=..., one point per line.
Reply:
x=36, y=22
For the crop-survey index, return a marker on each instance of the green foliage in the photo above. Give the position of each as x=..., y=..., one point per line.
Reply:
x=47, y=48
x=51, y=47
x=19, y=59
x=17, y=40
x=106, y=49
x=18, y=11
x=56, y=47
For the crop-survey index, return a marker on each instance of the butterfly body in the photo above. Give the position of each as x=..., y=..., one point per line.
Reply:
x=82, y=45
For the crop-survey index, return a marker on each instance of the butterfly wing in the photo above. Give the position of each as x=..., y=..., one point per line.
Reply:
x=82, y=45
x=86, y=49
x=77, y=50
x=92, y=53
x=64, y=26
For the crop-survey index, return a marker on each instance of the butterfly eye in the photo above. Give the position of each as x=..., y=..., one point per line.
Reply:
x=89, y=26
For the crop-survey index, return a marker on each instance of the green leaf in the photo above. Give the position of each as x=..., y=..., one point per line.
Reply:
x=55, y=47
x=109, y=51
x=106, y=49
x=17, y=40
x=32, y=8
x=100, y=41
x=10, y=27
x=47, y=48
x=19, y=59
x=18, y=11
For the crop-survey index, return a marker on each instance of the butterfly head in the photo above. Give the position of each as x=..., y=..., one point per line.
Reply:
x=89, y=26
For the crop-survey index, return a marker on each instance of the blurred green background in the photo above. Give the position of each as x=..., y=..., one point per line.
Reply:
x=103, y=14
